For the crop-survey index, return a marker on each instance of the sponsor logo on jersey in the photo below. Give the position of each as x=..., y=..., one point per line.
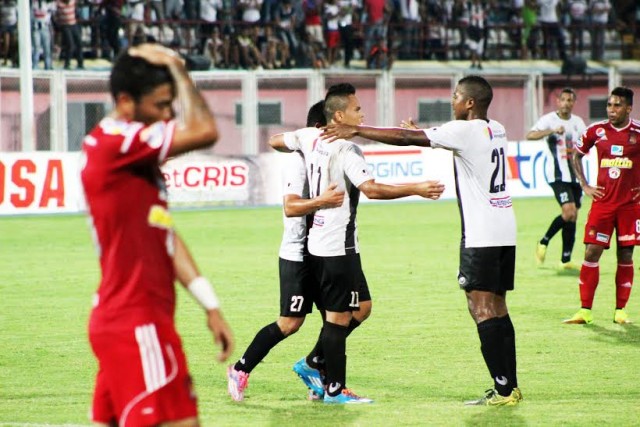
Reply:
x=600, y=132
x=614, y=173
x=627, y=238
x=489, y=133
x=503, y=202
x=619, y=162
x=318, y=221
x=579, y=143
x=617, y=150
x=601, y=237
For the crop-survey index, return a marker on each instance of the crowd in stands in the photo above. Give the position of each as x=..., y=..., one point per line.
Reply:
x=249, y=34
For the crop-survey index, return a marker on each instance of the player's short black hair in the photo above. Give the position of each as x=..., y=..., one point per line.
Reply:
x=623, y=92
x=569, y=91
x=479, y=89
x=337, y=99
x=315, y=116
x=136, y=77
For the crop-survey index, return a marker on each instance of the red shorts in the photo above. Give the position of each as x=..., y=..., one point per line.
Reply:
x=603, y=219
x=142, y=377
x=333, y=38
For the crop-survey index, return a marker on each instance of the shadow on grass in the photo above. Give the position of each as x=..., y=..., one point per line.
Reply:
x=311, y=414
x=620, y=334
x=501, y=416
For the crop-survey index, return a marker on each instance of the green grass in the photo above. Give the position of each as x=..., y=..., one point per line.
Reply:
x=417, y=356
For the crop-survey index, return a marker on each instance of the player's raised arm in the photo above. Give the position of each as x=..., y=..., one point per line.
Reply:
x=294, y=205
x=199, y=129
x=391, y=136
x=202, y=291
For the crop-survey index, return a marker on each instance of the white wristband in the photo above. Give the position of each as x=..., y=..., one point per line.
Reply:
x=203, y=292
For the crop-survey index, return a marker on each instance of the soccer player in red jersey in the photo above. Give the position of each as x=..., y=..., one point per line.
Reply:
x=615, y=201
x=143, y=377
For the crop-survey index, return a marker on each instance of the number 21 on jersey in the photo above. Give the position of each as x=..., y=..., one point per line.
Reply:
x=499, y=173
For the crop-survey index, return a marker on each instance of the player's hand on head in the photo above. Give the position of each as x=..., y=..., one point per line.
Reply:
x=431, y=189
x=332, y=197
x=156, y=54
x=409, y=124
x=221, y=333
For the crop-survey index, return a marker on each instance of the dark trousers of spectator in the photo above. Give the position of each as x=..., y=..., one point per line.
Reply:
x=597, y=42
x=410, y=39
x=577, y=36
x=551, y=31
x=113, y=22
x=346, y=38
x=191, y=9
x=205, y=33
x=72, y=44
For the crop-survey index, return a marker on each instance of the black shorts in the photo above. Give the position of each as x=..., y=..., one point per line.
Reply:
x=567, y=192
x=487, y=269
x=298, y=288
x=342, y=282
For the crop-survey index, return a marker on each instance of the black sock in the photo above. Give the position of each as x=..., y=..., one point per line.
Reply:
x=315, y=359
x=491, y=344
x=568, y=239
x=555, y=226
x=509, y=349
x=267, y=338
x=334, y=343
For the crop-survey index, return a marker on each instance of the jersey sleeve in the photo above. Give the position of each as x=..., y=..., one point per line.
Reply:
x=586, y=141
x=449, y=136
x=541, y=124
x=355, y=166
x=294, y=175
x=147, y=144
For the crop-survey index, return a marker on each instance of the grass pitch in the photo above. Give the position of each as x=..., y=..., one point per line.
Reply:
x=417, y=356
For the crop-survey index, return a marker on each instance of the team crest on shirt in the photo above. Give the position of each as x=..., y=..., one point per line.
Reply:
x=614, y=173
x=633, y=137
x=617, y=150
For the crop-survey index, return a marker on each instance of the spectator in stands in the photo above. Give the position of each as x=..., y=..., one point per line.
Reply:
x=285, y=22
x=135, y=26
x=330, y=19
x=173, y=12
x=71, y=39
x=434, y=16
x=551, y=29
x=577, y=22
x=8, y=31
x=599, y=19
x=230, y=49
x=208, y=22
x=113, y=23
x=375, y=26
x=313, y=22
x=411, y=25
x=474, y=16
x=42, y=12
x=530, y=30
x=348, y=9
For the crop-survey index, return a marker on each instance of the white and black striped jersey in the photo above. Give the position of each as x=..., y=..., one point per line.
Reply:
x=558, y=164
x=479, y=160
x=334, y=231
x=294, y=181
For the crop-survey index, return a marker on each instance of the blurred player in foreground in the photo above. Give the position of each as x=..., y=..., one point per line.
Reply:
x=142, y=376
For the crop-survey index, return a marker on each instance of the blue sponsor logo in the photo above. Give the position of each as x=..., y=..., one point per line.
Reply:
x=397, y=169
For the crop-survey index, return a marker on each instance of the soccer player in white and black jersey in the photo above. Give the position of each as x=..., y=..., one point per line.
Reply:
x=297, y=284
x=488, y=244
x=561, y=128
x=333, y=237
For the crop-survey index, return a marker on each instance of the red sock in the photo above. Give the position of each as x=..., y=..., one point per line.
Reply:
x=589, y=277
x=624, y=281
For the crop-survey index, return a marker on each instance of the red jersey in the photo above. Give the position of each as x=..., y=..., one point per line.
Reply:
x=618, y=159
x=132, y=228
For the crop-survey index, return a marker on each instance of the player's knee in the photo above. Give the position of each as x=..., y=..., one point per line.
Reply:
x=290, y=325
x=569, y=212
